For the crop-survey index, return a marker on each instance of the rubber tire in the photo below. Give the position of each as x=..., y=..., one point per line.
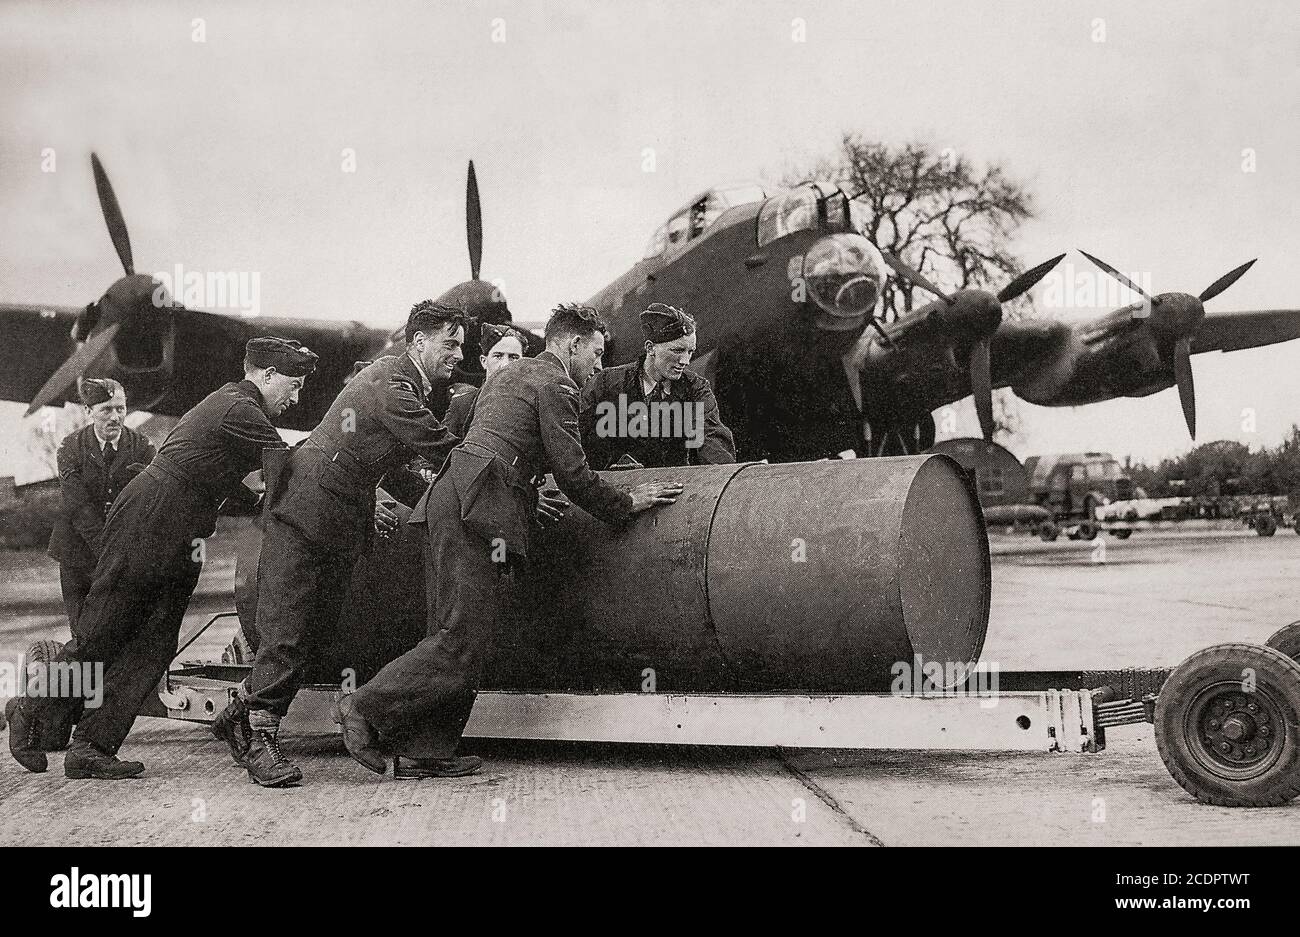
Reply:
x=44, y=652
x=1087, y=531
x=1048, y=532
x=1287, y=640
x=53, y=738
x=1274, y=671
x=1265, y=525
x=1123, y=534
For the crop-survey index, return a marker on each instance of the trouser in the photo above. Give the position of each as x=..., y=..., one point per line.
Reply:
x=129, y=625
x=74, y=582
x=421, y=701
x=300, y=592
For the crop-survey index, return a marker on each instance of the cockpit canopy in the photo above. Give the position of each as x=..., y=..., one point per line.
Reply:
x=812, y=205
x=694, y=219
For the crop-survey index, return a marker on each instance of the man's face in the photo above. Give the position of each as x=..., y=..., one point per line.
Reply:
x=501, y=354
x=280, y=391
x=585, y=360
x=108, y=416
x=438, y=353
x=671, y=358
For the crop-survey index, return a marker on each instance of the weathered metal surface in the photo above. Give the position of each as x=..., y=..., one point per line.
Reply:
x=806, y=576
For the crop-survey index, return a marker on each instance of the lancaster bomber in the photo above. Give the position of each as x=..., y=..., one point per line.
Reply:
x=784, y=288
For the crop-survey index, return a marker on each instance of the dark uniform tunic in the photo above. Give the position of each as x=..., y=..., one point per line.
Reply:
x=152, y=554
x=478, y=513
x=321, y=516
x=90, y=479
x=624, y=381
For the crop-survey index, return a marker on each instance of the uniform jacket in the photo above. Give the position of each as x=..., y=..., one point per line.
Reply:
x=608, y=385
x=525, y=424
x=379, y=422
x=88, y=488
x=460, y=409
x=218, y=442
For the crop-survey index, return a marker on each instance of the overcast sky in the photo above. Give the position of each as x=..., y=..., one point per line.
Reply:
x=229, y=153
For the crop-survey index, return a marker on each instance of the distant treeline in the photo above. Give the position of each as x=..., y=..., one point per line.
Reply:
x=1224, y=468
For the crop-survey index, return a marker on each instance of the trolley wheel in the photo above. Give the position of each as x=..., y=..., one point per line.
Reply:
x=1228, y=726
x=54, y=738
x=44, y=652
x=1047, y=531
x=1123, y=534
x=1265, y=525
x=1286, y=640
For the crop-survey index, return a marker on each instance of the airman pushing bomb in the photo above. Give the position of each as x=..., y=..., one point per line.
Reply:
x=478, y=513
x=319, y=519
x=152, y=554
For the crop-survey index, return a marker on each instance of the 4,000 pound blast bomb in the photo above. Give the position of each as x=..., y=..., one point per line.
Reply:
x=811, y=576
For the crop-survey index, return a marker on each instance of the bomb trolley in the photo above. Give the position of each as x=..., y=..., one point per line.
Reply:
x=1227, y=719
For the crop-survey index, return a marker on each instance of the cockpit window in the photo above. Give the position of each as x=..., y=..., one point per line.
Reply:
x=658, y=241
x=785, y=214
x=678, y=226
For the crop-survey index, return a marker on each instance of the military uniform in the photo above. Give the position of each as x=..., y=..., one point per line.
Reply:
x=480, y=509
x=622, y=385
x=91, y=476
x=152, y=554
x=321, y=516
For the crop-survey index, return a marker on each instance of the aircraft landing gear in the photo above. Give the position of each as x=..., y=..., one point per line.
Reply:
x=892, y=439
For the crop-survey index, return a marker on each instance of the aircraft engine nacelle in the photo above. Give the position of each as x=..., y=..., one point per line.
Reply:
x=816, y=576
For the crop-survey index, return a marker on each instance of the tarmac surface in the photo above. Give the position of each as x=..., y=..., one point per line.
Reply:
x=1156, y=598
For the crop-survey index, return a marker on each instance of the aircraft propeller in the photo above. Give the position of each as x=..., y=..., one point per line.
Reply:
x=1174, y=318
x=124, y=300
x=975, y=315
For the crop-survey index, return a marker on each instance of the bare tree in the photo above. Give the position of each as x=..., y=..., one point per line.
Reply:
x=933, y=208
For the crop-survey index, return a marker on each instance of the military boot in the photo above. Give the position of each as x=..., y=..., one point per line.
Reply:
x=266, y=765
x=231, y=726
x=84, y=760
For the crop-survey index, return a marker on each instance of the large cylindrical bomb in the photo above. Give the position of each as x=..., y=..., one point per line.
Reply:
x=814, y=576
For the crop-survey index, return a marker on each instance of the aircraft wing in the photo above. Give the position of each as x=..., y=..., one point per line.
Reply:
x=1233, y=331
x=207, y=349
x=1022, y=346
x=34, y=341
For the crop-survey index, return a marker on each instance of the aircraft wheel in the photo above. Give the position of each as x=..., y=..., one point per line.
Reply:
x=1087, y=531
x=1047, y=531
x=1123, y=534
x=1227, y=726
x=1265, y=525
x=1286, y=640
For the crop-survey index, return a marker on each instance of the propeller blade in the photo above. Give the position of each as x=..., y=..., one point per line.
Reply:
x=112, y=215
x=1027, y=280
x=72, y=369
x=907, y=273
x=1116, y=274
x=981, y=385
x=1225, y=281
x=473, y=222
x=1183, y=378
